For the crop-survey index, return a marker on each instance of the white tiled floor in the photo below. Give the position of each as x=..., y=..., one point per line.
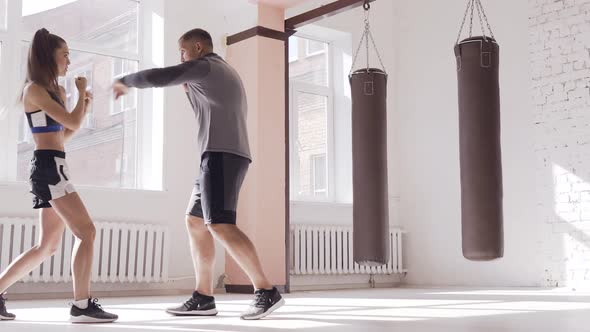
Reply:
x=416, y=310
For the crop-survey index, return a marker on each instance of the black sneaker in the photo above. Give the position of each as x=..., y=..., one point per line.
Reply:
x=92, y=314
x=3, y=314
x=266, y=301
x=197, y=305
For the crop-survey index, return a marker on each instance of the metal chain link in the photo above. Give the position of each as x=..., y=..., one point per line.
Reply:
x=471, y=21
x=464, y=19
x=485, y=17
x=366, y=35
x=358, y=49
x=377, y=51
x=483, y=30
x=367, y=31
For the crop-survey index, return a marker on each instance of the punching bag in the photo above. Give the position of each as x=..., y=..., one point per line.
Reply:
x=369, y=167
x=480, y=152
x=369, y=158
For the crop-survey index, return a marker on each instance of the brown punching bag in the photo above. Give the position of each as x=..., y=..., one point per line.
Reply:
x=369, y=167
x=480, y=152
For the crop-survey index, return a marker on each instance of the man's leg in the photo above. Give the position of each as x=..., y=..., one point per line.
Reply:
x=203, y=254
x=243, y=252
x=201, y=303
x=222, y=175
x=239, y=246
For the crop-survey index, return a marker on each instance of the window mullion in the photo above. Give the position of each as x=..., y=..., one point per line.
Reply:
x=331, y=128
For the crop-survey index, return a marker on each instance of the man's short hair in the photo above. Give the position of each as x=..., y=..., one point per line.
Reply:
x=198, y=35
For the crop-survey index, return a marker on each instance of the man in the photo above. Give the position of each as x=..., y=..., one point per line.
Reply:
x=217, y=96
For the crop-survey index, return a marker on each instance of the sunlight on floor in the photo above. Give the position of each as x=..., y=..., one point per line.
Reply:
x=381, y=310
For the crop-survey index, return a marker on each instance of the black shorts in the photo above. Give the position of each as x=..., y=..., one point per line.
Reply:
x=216, y=191
x=49, y=177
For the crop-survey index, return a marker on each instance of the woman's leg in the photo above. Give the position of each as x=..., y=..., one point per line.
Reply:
x=51, y=230
x=73, y=212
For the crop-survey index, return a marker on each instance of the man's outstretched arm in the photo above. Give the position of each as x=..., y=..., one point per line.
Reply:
x=167, y=76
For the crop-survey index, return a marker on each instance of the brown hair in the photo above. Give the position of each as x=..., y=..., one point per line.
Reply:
x=41, y=64
x=198, y=35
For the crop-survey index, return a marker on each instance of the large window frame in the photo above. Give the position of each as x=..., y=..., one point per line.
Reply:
x=327, y=91
x=119, y=106
x=147, y=150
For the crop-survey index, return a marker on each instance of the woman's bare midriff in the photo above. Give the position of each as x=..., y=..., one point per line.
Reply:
x=49, y=141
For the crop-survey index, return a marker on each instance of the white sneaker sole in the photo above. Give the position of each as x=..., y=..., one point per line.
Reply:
x=268, y=312
x=210, y=312
x=6, y=318
x=89, y=320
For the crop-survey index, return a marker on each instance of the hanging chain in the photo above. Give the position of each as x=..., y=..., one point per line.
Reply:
x=483, y=18
x=483, y=30
x=471, y=21
x=464, y=19
x=366, y=33
x=377, y=51
x=356, y=54
x=365, y=37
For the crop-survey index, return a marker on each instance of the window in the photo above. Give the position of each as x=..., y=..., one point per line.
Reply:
x=310, y=132
x=314, y=67
x=314, y=47
x=86, y=70
x=122, y=67
x=104, y=24
x=319, y=181
x=24, y=134
x=121, y=164
x=311, y=144
x=293, y=49
x=320, y=128
x=103, y=42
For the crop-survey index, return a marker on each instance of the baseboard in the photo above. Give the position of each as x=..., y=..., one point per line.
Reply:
x=248, y=289
x=301, y=288
x=336, y=282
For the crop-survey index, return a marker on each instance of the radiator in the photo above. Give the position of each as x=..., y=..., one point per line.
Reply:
x=122, y=252
x=317, y=250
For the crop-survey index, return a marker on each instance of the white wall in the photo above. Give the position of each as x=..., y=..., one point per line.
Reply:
x=428, y=155
x=560, y=41
x=416, y=41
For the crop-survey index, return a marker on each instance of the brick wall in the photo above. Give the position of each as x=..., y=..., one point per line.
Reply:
x=560, y=59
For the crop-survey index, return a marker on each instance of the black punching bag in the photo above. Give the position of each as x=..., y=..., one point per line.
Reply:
x=369, y=167
x=480, y=153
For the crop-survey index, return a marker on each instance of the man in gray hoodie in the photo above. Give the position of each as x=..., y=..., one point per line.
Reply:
x=217, y=97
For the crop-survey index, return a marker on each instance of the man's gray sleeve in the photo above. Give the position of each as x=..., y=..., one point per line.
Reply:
x=174, y=75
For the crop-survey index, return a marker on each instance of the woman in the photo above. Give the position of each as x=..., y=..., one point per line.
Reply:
x=58, y=203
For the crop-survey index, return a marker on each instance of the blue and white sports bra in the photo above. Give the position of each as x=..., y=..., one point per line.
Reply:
x=40, y=122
